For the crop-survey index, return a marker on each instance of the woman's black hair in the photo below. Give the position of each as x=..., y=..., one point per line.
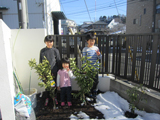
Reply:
x=65, y=60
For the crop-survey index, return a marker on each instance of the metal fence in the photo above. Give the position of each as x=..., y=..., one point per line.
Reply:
x=133, y=57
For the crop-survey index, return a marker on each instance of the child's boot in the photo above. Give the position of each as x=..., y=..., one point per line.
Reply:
x=62, y=104
x=46, y=102
x=69, y=104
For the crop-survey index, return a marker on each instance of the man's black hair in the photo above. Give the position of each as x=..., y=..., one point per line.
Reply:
x=49, y=38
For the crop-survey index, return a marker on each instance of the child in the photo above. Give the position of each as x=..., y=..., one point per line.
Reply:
x=93, y=52
x=53, y=56
x=64, y=82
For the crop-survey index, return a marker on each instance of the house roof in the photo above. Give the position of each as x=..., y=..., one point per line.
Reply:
x=99, y=22
x=58, y=15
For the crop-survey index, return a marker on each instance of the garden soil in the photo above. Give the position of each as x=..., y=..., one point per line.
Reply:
x=63, y=113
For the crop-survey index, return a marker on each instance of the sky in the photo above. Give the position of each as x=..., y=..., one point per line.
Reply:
x=90, y=10
x=113, y=107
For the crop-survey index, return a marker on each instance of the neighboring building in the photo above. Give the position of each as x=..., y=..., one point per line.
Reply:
x=116, y=26
x=33, y=14
x=99, y=27
x=143, y=16
x=68, y=24
x=84, y=27
x=114, y=22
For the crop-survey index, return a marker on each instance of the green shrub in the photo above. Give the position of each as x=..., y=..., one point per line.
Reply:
x=44, y=71
x=84, y=76
x=135, y=95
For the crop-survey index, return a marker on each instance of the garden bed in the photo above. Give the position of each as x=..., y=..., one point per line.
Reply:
x=47, y=113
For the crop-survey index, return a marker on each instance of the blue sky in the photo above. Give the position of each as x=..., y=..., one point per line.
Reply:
x=76, y=9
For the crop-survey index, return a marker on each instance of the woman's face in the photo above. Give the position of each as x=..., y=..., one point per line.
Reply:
x=65, y=65
x=49, y=44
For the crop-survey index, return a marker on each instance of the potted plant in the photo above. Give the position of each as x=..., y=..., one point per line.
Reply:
x=135, y=95
x=84, y=76
x=44, y=71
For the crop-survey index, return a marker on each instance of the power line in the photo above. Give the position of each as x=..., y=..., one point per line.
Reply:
x=102, y=8
x=87, y=10
x=116, y=7
x=98, y=9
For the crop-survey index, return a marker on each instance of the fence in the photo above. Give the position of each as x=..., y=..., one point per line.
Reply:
x=133, y=57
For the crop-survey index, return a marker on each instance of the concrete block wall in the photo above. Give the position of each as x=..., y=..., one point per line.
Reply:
x=153, y=101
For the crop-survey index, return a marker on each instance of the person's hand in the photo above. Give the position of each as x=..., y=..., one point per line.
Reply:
x=58, y=88
x=67, y=68
x=97, y=52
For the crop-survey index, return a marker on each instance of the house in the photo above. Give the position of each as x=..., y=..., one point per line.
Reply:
x=114, y=22
x=99, y=27
x=68, y=24
x=32, y=14
x=84, y=27
x=116, y=26
x=143, y=16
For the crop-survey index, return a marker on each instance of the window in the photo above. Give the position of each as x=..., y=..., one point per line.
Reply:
x=140, y=20
x=158, y=8
x=135, y=21
x=144, y=10
x=1, y=15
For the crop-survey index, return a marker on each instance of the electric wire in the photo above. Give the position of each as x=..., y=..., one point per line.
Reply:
x=87, y=10
x=116, y=7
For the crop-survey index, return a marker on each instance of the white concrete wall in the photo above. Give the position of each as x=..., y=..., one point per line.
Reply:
x=28, y=43
x=6, y=74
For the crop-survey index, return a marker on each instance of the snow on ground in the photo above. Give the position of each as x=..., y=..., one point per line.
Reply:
x=113, y=107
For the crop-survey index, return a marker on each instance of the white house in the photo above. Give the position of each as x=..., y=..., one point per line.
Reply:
x=66, y=24
x=114, y=22
x=33, y=14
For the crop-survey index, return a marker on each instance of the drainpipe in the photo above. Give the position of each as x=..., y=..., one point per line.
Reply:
x=154, y=16
x=22, y=13
x=46, y=20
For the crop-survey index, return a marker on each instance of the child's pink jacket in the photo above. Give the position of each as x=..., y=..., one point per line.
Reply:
x=63, y=78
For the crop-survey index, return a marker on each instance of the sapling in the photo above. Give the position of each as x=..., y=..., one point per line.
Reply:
x=46, y=79
x=135, y=95
x=84, y=76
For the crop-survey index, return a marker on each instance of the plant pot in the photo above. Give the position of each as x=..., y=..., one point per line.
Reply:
x=130, y=115
x=32, y=96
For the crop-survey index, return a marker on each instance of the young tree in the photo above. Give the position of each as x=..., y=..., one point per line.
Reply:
x=84, y=76
x=44, y=71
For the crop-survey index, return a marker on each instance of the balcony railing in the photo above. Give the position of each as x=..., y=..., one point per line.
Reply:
x=132, y=57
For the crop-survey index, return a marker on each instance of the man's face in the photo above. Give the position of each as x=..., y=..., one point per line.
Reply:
x=91, y=42
x=49, y=44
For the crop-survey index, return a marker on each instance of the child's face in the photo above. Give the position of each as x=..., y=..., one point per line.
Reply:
x=49, y=44
x=91, y=42
x=65, y=65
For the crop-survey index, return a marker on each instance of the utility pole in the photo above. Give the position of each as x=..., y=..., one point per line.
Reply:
x=22, y=13
x=154, y=16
